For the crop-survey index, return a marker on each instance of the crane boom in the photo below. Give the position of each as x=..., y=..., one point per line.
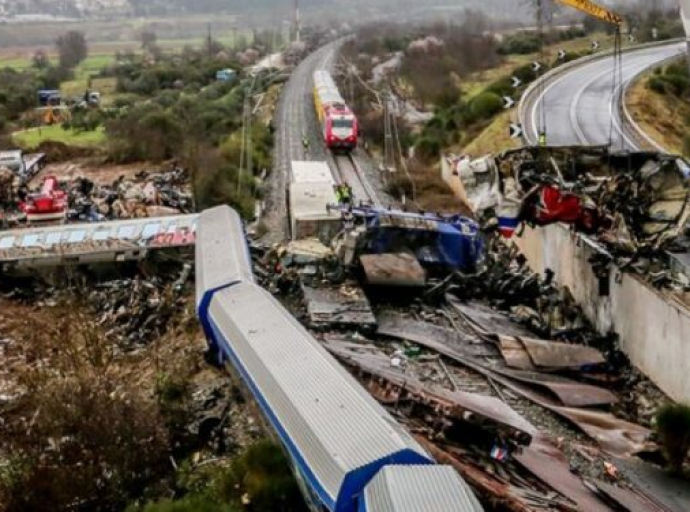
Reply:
x=594, y=10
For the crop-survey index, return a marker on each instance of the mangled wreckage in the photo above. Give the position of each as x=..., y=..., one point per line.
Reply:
x=634, y=204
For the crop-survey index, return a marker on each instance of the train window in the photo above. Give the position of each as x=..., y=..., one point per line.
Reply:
x=101, y=234
x=76, y=236
x=150, y=230
x=52, y=239
x=30, y=240
x=6, y=242
x=125, y=232
x=342, y=123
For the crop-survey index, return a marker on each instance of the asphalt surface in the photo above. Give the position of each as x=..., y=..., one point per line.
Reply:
x=582, y=106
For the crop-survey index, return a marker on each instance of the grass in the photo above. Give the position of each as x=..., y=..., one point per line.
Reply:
x=32, y=138
x=661, y=116
x=493, y=139
x=474, y=84
x=103, y=54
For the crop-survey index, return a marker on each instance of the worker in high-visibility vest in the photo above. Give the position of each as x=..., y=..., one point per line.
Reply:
x=542, y=139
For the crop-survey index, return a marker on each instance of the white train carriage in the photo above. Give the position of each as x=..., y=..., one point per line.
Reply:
x=311, y=191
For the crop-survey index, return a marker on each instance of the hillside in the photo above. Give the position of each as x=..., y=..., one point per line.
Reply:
x=501, y=9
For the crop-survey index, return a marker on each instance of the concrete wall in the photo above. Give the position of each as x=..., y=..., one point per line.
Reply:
x=653, y=327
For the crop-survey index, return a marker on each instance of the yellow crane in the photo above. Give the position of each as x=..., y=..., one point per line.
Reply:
x=595, y=10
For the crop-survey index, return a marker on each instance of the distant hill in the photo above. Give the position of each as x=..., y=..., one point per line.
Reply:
x=329, y=8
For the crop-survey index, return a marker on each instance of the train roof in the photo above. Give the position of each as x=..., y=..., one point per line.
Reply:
x=218, y=234
x=331, y=425
x=310, y=200
x=326, y=88
x=311, y=172
x=415, y=488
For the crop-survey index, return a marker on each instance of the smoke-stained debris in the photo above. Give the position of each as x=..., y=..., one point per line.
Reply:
x=635, y=205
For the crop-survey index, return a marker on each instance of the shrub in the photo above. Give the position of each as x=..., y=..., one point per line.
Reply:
x=673, y=427
x=520, y=44
x=428, y=148
x=677, y=84
x=263, y=475
x=656, y=84
x=187, y=504
x=501, y=87
x=486, y=105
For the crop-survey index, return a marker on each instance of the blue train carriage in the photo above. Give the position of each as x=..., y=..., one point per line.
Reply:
x=338, y=438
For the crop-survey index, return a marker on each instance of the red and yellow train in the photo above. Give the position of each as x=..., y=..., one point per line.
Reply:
x=339, y=125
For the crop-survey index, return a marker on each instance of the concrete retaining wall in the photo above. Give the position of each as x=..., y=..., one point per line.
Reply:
x=654, y=329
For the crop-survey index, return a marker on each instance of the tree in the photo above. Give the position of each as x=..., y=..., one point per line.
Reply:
x=40, y=60
x=72, y=49
x=149, y=41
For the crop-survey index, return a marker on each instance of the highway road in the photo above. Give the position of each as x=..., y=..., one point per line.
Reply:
x=580, y=106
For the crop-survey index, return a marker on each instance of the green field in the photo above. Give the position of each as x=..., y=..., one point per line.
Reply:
x=29, y=139
x=103, y=54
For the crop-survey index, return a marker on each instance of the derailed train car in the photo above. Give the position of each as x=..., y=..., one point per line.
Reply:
x=347, y=452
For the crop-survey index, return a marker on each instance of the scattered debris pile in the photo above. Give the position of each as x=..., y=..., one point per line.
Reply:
x=634, y=204
x=147, y=194
x=495, y=369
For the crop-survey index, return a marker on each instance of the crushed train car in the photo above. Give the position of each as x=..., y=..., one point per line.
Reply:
x=630, y=201
x=438, y=243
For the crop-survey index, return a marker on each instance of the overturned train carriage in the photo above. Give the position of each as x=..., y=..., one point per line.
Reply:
x=337, y=436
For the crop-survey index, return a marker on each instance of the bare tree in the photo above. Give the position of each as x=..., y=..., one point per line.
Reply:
x=40, y=59
x=149, y=40
x=72, y=48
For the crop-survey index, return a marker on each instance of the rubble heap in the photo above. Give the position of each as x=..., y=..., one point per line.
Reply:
x=495, y=371
x=635, y=205
x=147, y=195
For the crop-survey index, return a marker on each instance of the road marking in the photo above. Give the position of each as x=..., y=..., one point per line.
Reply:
x=574, y=121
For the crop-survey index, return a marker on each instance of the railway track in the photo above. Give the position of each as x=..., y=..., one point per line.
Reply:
x=349, y=171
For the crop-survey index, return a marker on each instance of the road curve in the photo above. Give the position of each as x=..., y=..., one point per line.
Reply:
x=580, y=105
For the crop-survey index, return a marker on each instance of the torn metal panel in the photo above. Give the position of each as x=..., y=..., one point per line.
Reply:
x=571, y=393
x=423, y=332
x=532, y=354
x=473, y=408
x=488, y=321
x=552, y=354
x=514, y=353
x=629, y=500
x=548, y=464
x=499, y=491
x=616, y=436
x=393, y=270
x=343, y=305
x=671, y=492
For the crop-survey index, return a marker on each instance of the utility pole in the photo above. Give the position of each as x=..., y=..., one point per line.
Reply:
x=540, y=29
x=388, y=133
x=298, y=27
x=685, y=15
